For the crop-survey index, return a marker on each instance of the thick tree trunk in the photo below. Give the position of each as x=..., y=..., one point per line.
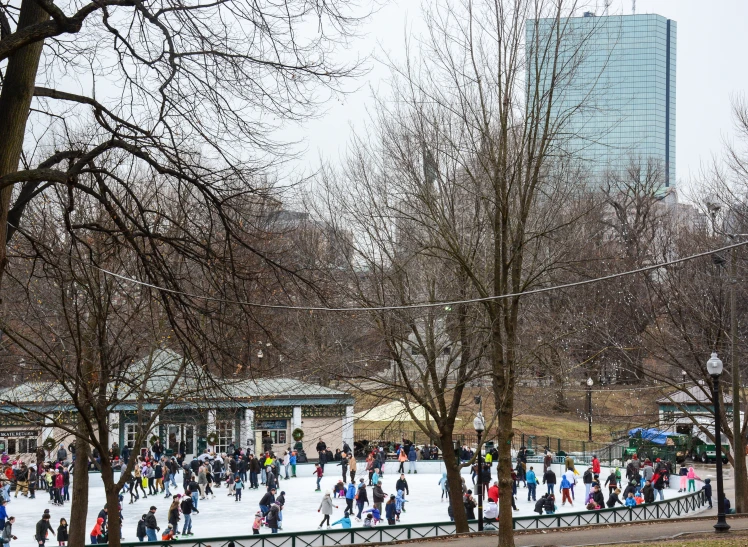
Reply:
x=452, y=465
x=112, y=503
x=15, y=101
x=79, y=497
x=504, y=439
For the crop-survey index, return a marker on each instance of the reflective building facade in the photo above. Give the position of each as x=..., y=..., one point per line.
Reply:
x=616, y=89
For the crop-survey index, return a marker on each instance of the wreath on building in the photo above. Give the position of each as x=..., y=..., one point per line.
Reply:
x=297, y=434
x=49, y=444
x=213, y=438
x=154, y=439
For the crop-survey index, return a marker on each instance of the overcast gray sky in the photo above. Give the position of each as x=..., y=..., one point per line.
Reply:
x=711, y=67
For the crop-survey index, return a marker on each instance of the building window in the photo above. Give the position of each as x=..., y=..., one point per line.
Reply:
x=668, y=417
x=131, y=434
x=225, y=433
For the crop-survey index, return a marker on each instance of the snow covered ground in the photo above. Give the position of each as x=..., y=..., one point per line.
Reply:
x=223, y=516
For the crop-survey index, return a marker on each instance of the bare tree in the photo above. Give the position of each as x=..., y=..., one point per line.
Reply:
x=183, y=92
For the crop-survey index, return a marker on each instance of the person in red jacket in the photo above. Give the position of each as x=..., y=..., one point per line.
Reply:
x=96, y=532
x=493, y=492
x=58, y=483
x=595, y=465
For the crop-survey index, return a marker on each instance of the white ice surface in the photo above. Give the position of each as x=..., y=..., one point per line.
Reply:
x=223, y=516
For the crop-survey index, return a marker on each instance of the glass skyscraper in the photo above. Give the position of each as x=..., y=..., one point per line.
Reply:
x=615, y=91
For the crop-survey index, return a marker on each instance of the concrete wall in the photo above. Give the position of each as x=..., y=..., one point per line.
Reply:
x=330, y=429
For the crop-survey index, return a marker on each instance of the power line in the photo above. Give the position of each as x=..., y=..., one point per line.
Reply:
x=423, y=304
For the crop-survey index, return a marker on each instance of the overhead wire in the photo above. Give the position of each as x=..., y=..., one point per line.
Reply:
x=421, y=305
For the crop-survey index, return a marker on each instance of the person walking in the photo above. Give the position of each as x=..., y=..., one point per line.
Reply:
x=325, y=507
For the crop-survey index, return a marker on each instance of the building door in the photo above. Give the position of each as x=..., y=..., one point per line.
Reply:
x=189, y=440
x=173, y=436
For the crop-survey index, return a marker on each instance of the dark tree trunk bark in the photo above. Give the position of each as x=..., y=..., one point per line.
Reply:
x=452, y=465
x=112, y=502
x=79, y=497
x=15, y=101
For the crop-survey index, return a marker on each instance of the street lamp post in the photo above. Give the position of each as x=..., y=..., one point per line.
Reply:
x=480, y=425
x=714, y=368
x=683, y=375
x=589, y=408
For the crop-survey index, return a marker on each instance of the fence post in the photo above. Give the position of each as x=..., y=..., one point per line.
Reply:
x=584, y=450
x=558, y=439
x=523, y=440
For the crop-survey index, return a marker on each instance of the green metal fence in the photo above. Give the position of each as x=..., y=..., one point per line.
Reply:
x=675, y=507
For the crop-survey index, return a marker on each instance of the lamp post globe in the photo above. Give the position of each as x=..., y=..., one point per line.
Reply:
x=714, y=367
x=589, y=382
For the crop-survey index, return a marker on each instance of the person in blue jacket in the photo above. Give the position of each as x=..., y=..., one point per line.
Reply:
x=350, y=495
x=390, y=510
x=345, y=522
x=412, y=457
x=532, y=483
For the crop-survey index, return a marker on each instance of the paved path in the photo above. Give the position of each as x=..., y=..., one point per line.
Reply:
x=597, y=535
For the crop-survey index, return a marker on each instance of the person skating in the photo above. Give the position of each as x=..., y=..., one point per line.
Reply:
x=8, y=531
x=566, y=490
x=532, y=483
x=267, y=500
x=400, y=501
x=378, y=496
x=97, y=531
x=683, y=474
x=470, y=505
x=613, y=499
x=257, y=524
x=238, y=485
x=151, y=526
x=707, y=488
x=42, y=527
x=390, y=510
x=292, y=460
x=362, y=498
x=173, y=514
x=270, y=478
x=140, y=531
x=550, y=504
x=187, y=508
x=597, y=496
x=169, y=534
x=62, y=533
x=648, y=492
x=344, y=465
x=325, y=507
x=540, y=504
x=273, y=519
x=549, y=479
x=319, y=471
x=402, y=484
x=350, y=495
x=444, y=483
x=412, y=457
x=345, y=522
